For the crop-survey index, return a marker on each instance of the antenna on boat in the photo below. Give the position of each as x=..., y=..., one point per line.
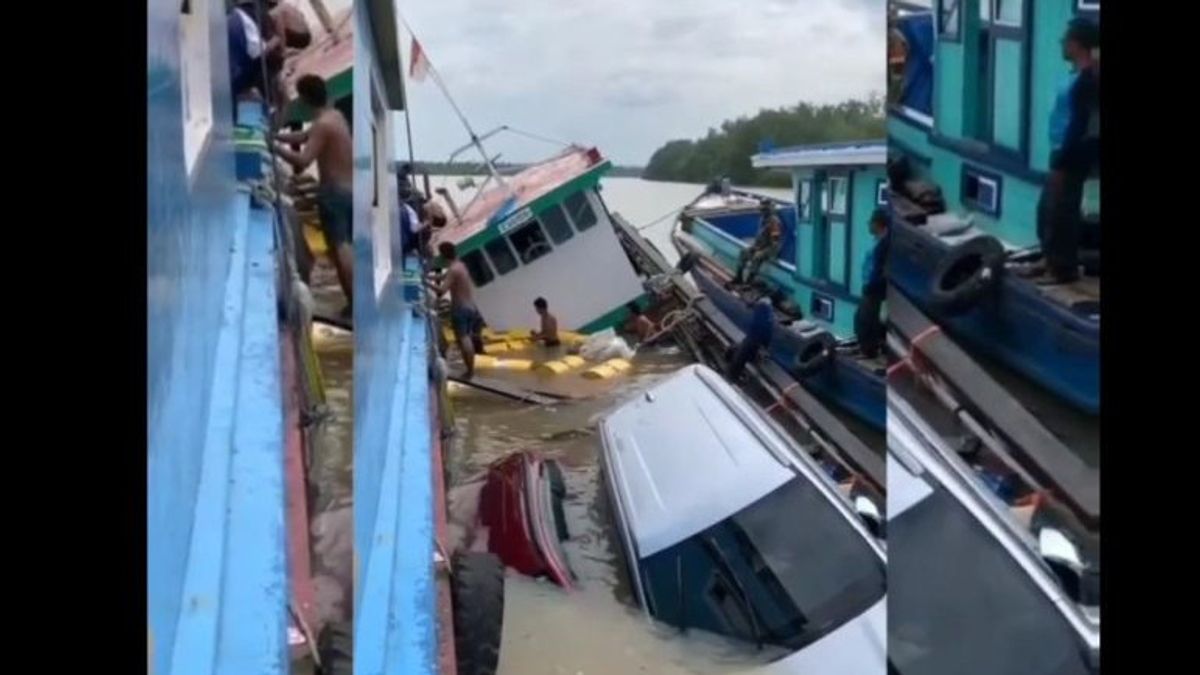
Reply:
x=476, y=141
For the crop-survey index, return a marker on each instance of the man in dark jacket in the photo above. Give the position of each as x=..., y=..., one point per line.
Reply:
x=1075, y=152
x=868, y=326
x=758, y=336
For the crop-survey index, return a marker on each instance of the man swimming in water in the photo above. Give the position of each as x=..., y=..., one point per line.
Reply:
x=548, y=335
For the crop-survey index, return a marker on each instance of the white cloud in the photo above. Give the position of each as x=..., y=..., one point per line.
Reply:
x=628, y=75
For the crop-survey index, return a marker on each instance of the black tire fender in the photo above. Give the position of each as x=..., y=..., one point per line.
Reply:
x=815, y=353
x=477, y=592
x=965, y=274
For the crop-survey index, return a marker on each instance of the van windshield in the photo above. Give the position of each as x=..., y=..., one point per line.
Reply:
x=786, y=570
x=959, y=603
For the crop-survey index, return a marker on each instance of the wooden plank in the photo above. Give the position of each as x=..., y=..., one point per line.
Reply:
x=505, y=389
x=1033, y=446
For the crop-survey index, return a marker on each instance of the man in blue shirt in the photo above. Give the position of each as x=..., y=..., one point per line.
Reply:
x=1075, y=152
x=868, y=327
x=758, y=336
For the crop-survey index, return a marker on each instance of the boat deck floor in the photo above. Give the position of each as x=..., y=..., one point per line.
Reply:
x=1084, y=290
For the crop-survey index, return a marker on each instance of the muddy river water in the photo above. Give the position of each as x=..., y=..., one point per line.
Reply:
x=596, y=629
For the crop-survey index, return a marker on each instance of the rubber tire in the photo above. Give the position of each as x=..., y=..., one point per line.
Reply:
x=336, y=647
x=687, y=262
x=814, y=355
x=965, y=274
x=477, y=591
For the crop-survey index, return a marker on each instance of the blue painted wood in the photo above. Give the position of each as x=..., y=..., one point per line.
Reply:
x=395, y=629
x=215, y=578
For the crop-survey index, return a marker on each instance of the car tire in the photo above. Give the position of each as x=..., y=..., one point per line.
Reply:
x=477, y=591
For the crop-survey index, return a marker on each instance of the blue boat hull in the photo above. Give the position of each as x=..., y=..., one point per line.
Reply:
x=845, y=383
x=1018, y=326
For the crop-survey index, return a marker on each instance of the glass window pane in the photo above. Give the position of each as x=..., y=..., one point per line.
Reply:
x=949, y=18
x=530, y=242
x=1010, y=12
x=501, y=255
x=581, y=211
x=837, y=196
x=478, y=268
x=556, y=224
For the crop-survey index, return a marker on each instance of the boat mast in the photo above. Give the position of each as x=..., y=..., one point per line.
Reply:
x=318, y=8
x=475, y=140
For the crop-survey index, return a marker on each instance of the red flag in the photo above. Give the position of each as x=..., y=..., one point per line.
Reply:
x=418, y=66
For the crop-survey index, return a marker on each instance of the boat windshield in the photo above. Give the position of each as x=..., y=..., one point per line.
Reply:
x=795, y=561
x=959, y=603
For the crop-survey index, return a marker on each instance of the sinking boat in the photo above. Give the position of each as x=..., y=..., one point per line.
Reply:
x=825, y=237
x=965, y=202
x=521, y=507
x=545, y=231
x=729, y=527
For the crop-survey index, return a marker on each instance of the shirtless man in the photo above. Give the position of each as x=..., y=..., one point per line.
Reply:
x=639, y=324
x=464, y=316
x=328, y=142
x=548, y=335
x=291, y=24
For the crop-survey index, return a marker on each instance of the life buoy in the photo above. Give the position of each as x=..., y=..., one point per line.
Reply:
x=965, y=274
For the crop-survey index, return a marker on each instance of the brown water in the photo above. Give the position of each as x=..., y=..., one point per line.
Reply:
x=331, y=477
x=596, y=629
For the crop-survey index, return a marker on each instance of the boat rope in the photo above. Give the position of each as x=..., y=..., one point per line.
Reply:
x=661, y=218
x=914, y=346
x=781, y=401
x=538, y=137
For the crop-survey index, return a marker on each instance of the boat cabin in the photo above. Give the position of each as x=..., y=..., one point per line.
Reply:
x=978, y=80
x=545, y=232
x=837, y=187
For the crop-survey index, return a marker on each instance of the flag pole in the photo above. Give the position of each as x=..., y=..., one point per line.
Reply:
x=437, y=79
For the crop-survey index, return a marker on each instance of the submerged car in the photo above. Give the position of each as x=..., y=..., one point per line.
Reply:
x=728, y=526
x=976, y=589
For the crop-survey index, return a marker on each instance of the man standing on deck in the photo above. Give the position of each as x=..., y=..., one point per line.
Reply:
x=766, y=245
x=758, y=336
x=328, y=142
x=548, y=334
x=464, y=316
x=868, y=326
x=1075, y=152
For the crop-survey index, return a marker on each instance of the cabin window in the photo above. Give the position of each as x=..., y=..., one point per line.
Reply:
x=195, y=79
x=881, y=193
x=834, y=197
x=556, y=223
x=501, y=255
x=1003, y=12
x=822, y=307
x=581, y=211
x=804, y=199
x=949, y=19
x=530, y=242
x=477, y=267
x=981, y=191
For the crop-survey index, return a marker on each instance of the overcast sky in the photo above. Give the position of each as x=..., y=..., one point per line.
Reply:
x=629, y=75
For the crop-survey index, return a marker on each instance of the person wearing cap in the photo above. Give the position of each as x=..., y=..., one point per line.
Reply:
x=766, y=245
x=1075, y=152
x=868, y=325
